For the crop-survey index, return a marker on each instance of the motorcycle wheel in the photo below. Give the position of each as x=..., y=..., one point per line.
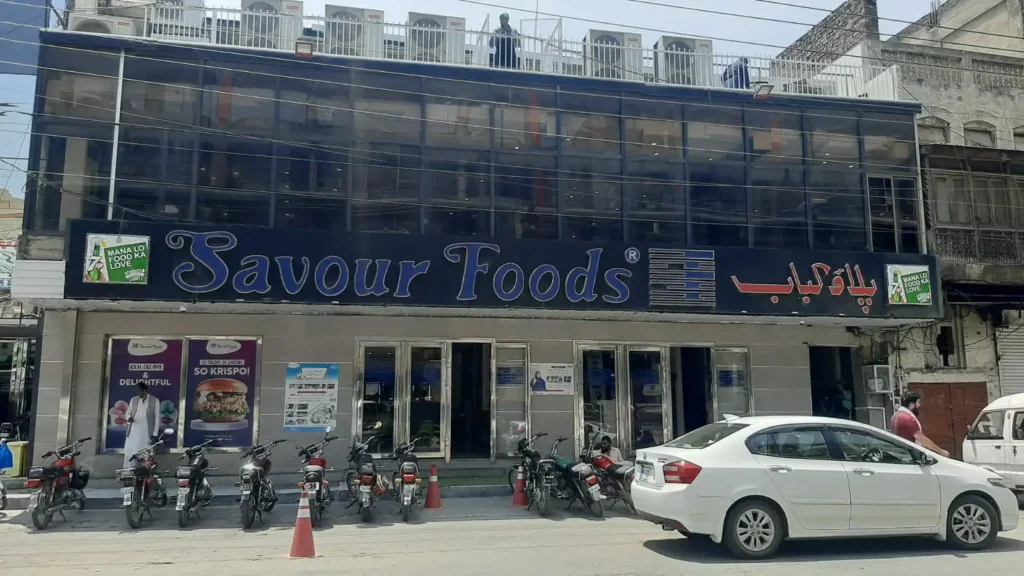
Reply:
x=270, y=507
x=406, y=512
x=628, y=497
x=81, y=501
x=3, y=501
x=366, y=512
x=134, y=511
x=596, y=507
x=162, y=500
x=183, y=516
x=40, y=519
x=512, y=478
x=350, y=483
x=248, y=510
x=542, y=501
x=314, y=515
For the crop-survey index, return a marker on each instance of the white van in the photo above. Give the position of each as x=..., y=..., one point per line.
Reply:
x=996, y=441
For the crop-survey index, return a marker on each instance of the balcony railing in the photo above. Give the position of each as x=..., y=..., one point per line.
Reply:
x=458, y=47
x=973, y=246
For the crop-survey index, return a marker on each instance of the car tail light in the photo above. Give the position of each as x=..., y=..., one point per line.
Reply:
x=591, y=480
x=408, y=478
x=681, y=472
x=368, y=480
x=183, y=483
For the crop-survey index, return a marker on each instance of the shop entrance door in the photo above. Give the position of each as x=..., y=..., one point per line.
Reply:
x=404, y=386
x=622, y=393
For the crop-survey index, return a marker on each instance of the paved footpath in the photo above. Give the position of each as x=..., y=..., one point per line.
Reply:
x=470, y=537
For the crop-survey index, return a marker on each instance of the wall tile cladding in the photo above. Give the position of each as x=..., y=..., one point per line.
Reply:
x=847, y=26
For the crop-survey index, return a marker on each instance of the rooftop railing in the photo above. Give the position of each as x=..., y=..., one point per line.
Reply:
x=610, y=57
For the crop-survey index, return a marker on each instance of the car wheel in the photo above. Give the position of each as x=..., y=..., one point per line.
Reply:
x=753, y=530
x=972, y=523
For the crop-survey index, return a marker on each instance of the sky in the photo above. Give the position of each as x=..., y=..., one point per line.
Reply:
x=630, y=15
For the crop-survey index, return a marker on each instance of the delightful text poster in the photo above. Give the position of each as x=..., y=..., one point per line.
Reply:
x=157, y=363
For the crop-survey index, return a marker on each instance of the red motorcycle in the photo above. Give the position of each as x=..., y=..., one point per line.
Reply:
x=615, y=479
x=60, y=485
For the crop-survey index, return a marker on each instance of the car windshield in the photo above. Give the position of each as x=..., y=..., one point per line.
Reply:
x=706, y=436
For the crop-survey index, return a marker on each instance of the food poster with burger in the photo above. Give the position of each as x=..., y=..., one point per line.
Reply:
x=220, y=388
x=153, y=361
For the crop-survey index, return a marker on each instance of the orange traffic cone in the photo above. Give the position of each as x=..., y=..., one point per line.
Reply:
x=302, y=538
x=519, y=495
x=433, y=491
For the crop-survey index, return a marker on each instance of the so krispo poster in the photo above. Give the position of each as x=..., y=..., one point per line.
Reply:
x=154, y=361
x=220, y=389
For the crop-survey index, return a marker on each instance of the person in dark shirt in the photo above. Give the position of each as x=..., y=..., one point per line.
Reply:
x=505, y=42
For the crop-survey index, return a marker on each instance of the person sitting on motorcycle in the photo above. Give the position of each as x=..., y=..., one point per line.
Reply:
x=605, y=448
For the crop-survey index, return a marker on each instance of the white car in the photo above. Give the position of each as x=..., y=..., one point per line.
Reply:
x=752, y=482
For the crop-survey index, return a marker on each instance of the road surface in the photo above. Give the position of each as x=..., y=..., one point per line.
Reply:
x=470, y=537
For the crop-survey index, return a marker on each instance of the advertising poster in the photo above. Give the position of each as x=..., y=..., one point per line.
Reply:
x=8, y=254
x=116, y=259
x=909, y=284
x=156, y=362
x=220, y=391
x=551, y=379
x=311, y=396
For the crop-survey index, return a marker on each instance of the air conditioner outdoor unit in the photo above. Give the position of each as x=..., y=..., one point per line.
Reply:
x=684, y=61
x=432, y=38
x=178, y=20
x=275, y=24
x=618, y=55
x=878, y=379
x=102, y=25
x=353, y=31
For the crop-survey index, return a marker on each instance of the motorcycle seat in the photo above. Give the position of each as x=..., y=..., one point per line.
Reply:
x=142, y=471
x=41, y=472
x=367, y=469
x=564, y=464
x=312, y=468
x=620, y=471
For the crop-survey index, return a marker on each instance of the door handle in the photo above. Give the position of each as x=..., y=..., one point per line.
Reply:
x=1014, y=450
x=998, y=447
x=864, y=472
x=780, y=469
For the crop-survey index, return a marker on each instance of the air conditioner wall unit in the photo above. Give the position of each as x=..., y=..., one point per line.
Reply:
x=684, y=61
x=274, y=24
x=178, y=19
x=353, y=31
x=103, y=25
x=610, y=54
x=433, y=38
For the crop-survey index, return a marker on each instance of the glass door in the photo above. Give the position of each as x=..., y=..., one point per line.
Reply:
x=731, y=382
x=376, y=395
x=649, y=397
x=597, y=394
x=510, y=401
x=426, y=399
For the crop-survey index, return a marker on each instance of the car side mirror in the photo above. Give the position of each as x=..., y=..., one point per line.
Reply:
x=923, y=459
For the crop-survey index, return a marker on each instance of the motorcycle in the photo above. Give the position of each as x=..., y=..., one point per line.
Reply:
x=540, y=474
x=576, y=481
x=141, y=485
x=60, y=485
x=313, y=479
x=363, y=479
x=194, y=491
x=406, y=480
x=615, y=479
x=258, y=494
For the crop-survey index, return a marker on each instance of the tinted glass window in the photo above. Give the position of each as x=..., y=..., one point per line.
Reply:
x=656, y=202
x=386, y=190
x=524, y=128
x=590, y=200
x=78, y=83
x=316, y=109
x=590, y=133
x=458, y=124
x=906, y=214
x=457, y=193
x=889, y=139
x=837, y=210
x=833, y=137
x=706, y=435
x=646, y=137
x=526, y=194
x=154, y=174
x=233, y=186
x=714, y=133
x=775, y=136
x=312, y=186
x=718, y=204
x=780, y=207
x=157, y=93
x=385, y=116
x=240, y=102
x=806, y=444
x=859, y=446
x=1018, y=426
x=763, y=445
x=74, y=178
x=883, y=214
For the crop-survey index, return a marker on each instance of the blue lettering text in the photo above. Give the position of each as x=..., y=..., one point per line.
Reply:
x=205, y=246
x=518, y=281
x=472, y=266
x=406, y=272
x=537, y=276
x=320, y=276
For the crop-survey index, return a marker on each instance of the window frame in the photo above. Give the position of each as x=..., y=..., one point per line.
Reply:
x=787, y=428
x=973, y=430
x=1017, y=424
x=832, y=436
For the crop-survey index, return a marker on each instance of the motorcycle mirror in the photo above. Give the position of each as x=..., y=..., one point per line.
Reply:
x=377, y=425
x=328, y=431
x=169, y=431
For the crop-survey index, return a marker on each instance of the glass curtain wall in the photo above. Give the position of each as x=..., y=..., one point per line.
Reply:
x=228, y=139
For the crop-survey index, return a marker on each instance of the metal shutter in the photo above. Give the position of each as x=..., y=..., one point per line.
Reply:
x=1011, y=359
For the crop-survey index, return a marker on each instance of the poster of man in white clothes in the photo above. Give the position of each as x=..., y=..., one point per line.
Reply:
x=143, y=423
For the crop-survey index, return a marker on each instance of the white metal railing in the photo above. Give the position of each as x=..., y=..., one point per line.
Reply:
x=271, y=31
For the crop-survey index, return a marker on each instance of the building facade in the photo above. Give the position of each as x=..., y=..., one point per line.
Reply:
x=464, y=255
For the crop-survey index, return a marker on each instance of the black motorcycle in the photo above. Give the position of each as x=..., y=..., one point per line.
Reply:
x=540, y=474
x=576, y=481
x=141, y=485
x=193, y=489
x=406, y=480
x=257, y=491
x=363, y=480
x=314, y=481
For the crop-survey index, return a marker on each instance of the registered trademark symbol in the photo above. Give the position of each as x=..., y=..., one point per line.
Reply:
x=632, y=255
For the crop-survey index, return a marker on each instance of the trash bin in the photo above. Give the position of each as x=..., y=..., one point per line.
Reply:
x=19, y=450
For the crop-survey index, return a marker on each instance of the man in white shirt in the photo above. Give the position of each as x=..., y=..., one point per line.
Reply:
x=605, y=448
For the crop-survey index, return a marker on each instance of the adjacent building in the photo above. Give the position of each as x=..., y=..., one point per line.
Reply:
x=462, y=253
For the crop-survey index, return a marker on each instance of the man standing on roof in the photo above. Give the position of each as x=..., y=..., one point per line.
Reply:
x=906, y=425
x=505, y=41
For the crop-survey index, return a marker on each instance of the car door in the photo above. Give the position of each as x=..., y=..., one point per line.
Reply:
x=1015, y=450
x=814, y=485
x=889, y=490
x=986, y=443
